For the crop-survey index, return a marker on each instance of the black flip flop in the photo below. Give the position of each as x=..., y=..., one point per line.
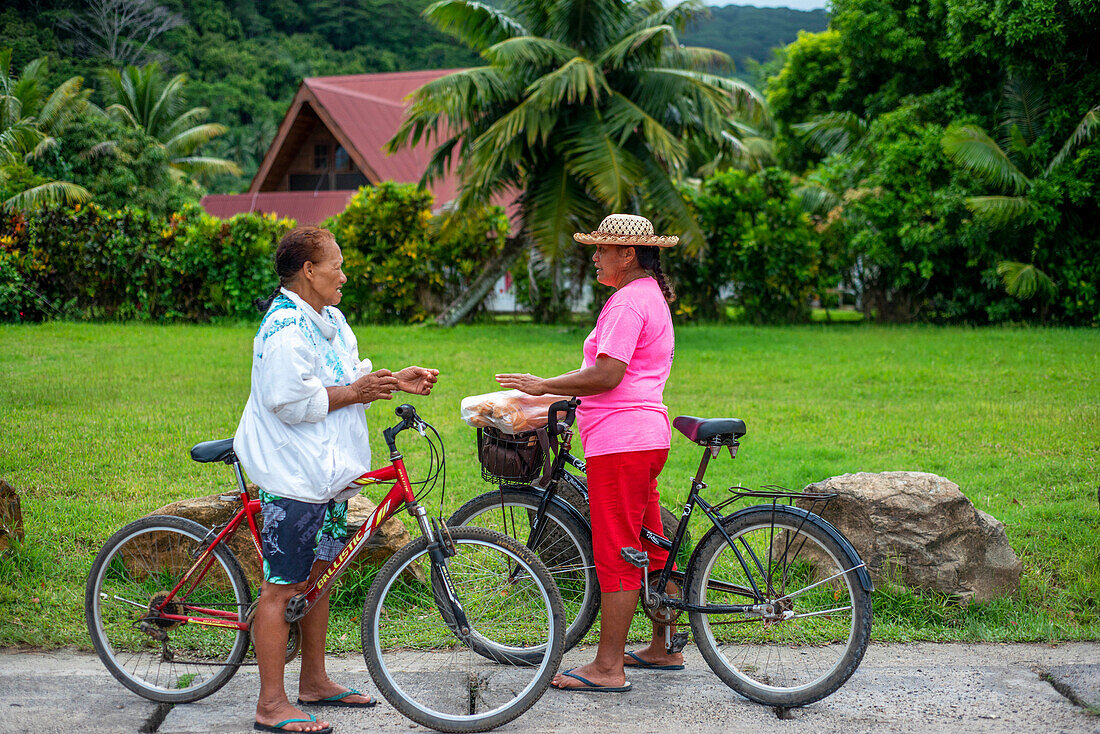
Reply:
x=338, y=701
x=639, y=663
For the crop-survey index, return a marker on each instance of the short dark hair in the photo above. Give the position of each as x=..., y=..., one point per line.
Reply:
x=298, y=246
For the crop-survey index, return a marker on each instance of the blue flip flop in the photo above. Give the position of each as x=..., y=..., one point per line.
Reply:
x=590, y=687
x=338, y=701
x=639, y=663
x=278, y=728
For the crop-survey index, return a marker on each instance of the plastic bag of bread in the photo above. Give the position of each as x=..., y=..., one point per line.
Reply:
x=508, y=411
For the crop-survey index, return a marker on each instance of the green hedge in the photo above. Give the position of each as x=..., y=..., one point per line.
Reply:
x=91, y=263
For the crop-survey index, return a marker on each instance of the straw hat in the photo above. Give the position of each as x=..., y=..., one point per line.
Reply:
x=625, y=229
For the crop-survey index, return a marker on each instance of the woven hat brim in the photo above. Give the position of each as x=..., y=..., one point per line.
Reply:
x=602, y=238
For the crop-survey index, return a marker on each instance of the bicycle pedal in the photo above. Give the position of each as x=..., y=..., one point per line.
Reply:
x=677, y=643
x=635, y=557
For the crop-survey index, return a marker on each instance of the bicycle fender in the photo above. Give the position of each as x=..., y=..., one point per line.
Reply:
x=845, y=545
x=572, y=511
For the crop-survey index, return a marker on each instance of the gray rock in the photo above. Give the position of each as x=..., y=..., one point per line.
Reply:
x=11, y=516
x=919, y=528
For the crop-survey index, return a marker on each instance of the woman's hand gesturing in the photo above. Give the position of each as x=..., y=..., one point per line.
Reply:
x=525, y=382
x=416, y=380
x=378, y=385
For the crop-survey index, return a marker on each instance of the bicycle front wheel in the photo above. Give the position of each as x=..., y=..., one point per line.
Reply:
x=437, y=673
x=565, y=546
x=163, y=659
x=813, y=620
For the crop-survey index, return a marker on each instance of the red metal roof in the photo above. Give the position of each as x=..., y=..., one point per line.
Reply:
x=305, y=207
x=363, y=111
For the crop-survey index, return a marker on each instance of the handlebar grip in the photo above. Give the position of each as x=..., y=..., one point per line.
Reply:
x=569, y=407
x=405, y=411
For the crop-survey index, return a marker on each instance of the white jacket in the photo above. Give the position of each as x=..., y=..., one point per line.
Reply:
x=288, y=441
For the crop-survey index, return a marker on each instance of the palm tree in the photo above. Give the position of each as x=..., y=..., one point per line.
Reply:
x=143, y=99
x=29, y=120
x=970, y=147
x=584, y=107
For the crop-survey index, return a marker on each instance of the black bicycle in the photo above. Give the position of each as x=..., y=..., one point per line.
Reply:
x=778, y=600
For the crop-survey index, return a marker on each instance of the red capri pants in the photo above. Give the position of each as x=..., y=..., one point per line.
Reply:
x=622, y=495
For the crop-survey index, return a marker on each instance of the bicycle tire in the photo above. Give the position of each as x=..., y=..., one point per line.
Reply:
x=822, y=627
x=565, y=548
x=142, y=560
x=426, y=668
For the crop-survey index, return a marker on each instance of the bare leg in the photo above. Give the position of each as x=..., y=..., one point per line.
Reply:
x=655, y=652
x=271, y=630
x=313, y=682
x=617, y=609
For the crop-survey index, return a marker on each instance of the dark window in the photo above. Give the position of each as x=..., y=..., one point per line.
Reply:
x=343, y=160
x=307, y=182
x=345, y=181
x=320, y=157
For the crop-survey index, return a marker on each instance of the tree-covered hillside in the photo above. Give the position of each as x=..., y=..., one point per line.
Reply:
x=746, y=32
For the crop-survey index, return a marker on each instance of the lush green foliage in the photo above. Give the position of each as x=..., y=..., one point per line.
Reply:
x=404, y=265
x=860, y=109
x=584, y=107
x=98, y=420
x=760, y=244
x=92, y=263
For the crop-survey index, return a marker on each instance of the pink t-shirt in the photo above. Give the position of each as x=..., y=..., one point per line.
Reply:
x=634, y=327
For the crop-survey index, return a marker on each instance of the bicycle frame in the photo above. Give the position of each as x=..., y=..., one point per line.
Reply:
x=400, y=495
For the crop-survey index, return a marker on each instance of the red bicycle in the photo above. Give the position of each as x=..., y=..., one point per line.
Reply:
x=462, y=629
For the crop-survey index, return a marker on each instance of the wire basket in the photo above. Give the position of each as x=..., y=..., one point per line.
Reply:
x=507, y=458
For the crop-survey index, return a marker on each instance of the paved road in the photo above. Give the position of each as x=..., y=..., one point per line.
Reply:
x=898, y=688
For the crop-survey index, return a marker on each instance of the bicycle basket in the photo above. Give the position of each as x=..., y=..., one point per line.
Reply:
x=509, y=458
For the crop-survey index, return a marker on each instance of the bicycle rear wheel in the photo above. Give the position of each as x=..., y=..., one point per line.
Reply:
x=813, y=637
x=433, y=672
x=157, y=658
x=565, y=547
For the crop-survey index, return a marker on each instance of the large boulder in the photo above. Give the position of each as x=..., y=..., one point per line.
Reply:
x=920, y=529
x=217, y=509
x=11, y=516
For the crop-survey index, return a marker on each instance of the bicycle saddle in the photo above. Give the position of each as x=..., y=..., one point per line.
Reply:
x=701, y=430
x=208, y=451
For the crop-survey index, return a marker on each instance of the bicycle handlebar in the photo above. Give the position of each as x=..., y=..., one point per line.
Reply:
x=569, y=407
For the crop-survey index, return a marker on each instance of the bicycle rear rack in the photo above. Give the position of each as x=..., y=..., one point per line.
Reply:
x=779, y=495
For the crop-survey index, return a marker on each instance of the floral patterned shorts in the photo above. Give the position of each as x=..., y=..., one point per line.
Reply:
x=296, y=533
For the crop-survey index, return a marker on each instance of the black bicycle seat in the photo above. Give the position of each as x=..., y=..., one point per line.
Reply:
x=208, y=451
x=701, y=430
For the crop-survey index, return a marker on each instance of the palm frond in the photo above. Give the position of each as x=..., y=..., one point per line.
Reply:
x=533, y=51
x=969, y=147
x=67, y=101
x=835, y=133
x=999, y=211
x=45, y=145
x=1025, y=106
x=574, y=82
x=476, y=24
x=668, y=210
x=1025, y=281
x=677, y=15
x=456, y=99
x=101, y=150
x=618, y=54
x=1081, y=135
x=123, y=114
x=592, y=155
x=49, y=194
x=816, y=199
x=624, y=116
x=205, y=166
x=188, y=140
x=555, y=206
x=699, y=58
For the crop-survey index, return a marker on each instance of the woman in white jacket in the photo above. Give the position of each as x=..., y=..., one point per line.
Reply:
x=302, y=439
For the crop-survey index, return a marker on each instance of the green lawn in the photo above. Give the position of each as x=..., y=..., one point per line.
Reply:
x=97, y=420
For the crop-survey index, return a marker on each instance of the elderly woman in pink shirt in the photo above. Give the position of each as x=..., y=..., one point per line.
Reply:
x=625, y=432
